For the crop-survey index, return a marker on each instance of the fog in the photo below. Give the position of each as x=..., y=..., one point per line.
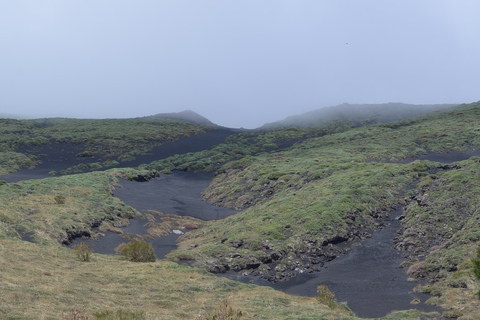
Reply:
x=237, y=63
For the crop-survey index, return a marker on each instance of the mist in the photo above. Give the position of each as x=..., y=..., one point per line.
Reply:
x=239, y=64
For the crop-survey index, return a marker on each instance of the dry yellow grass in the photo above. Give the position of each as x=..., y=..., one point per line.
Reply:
x=42, y=282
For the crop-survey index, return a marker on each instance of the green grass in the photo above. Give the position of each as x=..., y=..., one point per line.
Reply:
x=335, y=183
x=446, y=216
x=32, y=207
x=107, y=139
x=337, y=178
x=44, y=282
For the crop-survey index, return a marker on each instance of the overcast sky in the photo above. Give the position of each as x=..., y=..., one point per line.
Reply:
x=238, y=63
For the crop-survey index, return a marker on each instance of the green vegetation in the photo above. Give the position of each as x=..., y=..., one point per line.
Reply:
x=476, y=264
x=46, y=281
x=327, y=187
x=325, y=296
x=224, y=312
x=440, y=233
x=59, y=209
x=13, y=161
x=358, y=115
x=334, y=184
x=108, y=139
x=137, y=251
x=317, y=186
x=236, y=147
x=82, y=251
x=120, y=315
x=476, y=267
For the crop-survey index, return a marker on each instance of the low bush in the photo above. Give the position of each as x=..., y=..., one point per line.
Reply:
x=224, y=312
x=325, y=296
x=476, y=267
x=75, y=315
x=120, y=315
x=59, y=199
x=476, y=264
x=167, y=171
x=82, y=251
x=137, y=251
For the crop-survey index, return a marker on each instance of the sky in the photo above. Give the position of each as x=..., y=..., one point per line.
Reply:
x=237, y=63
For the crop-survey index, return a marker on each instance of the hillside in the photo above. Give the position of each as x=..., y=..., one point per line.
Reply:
x=326, y=190
x=305, y=196
x=187, y=115
x=358, y=114
x=78, y=145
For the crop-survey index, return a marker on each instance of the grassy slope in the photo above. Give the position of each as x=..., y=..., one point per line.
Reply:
x=441, y=234
x=30, y=209
x=37, y=276
x=359, y=113
x=109, y=139
x=44, y=282
x=319, y=182
x=312, y=191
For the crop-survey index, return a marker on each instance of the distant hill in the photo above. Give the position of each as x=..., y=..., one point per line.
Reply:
x=370, y=113
x=187, y=115
x=11, y=116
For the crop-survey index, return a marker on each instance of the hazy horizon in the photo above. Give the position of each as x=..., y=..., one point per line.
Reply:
x=239, y=64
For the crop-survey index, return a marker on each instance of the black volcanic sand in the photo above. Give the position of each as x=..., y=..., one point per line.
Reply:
x=368, y=278
x=177, y=193
x=60, y=156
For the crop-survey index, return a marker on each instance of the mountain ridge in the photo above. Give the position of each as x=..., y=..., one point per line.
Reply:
x=186, y=115
x=372, y=113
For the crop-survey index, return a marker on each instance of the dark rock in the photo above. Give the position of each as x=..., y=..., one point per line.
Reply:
x=237, y=243
x=219, y=268
x=265, y=245
x=266, y=259
x=74, y=234
x=275, y=256
x=252, y=264
x=145, y=177
x=336, y=239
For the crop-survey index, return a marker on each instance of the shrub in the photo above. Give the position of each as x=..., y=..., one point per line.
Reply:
x=325, y=296
x=476, y=264
x=75, y=315
x=476, y=267
x=184, y=256
x=120, y=315
x=224, y=312
x=137, y=251
x=59, y=199
x=275, y=175
x=85, y=154
x=82, y=251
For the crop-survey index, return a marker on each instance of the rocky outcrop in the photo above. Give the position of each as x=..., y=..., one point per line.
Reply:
x=72, y=234
x=281, y=265
x=145, y=177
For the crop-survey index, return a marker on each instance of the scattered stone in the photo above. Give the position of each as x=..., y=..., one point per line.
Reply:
x=237, y=243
